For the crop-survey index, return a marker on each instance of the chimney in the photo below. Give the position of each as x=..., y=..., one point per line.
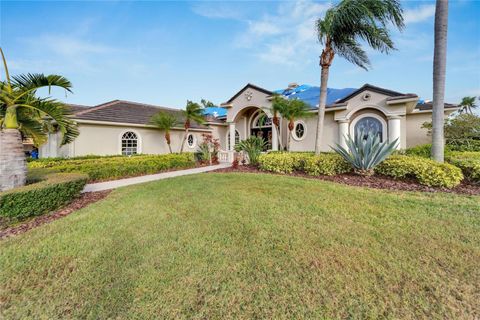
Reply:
x=292, y=85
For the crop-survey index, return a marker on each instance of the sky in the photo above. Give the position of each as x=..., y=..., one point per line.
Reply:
x=164, y=53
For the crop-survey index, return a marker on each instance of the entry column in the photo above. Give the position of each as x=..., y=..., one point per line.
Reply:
x=231, y=150
x=342, y=133
x=394, y=129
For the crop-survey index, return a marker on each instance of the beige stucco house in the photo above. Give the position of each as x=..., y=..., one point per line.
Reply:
x=122, y=127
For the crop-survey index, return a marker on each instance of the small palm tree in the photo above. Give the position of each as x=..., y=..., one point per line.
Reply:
x=292, y=110
x=341, y=31
x=468, y=104
x=278, y=109
x=22, y=113
x=165, y=121
x=193, y=112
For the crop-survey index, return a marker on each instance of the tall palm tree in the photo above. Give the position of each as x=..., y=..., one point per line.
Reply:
x=193, y=112
x=468, y=104
x=165, y=121
x=295, y=109
x=22, y=113
x=278, y=108
x=439, y=67
x=341, y=31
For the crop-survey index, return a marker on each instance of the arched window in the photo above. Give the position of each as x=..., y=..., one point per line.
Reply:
x=129, y=143
x=237, y=138
x=191, y=140
x=300, y=130
x=262, y=121
x=369, y=124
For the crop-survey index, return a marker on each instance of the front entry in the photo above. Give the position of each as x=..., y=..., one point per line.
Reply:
x=262, y=127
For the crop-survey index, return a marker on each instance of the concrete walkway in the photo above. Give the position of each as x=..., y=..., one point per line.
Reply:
x=152, y=177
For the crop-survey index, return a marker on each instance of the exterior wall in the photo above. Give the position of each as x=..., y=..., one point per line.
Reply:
x=330, y=136
x=415, y=134
x=220, y=132
x=106, y=140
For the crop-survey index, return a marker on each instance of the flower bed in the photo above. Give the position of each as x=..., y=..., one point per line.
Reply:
x=104, y=168
x=469, y=162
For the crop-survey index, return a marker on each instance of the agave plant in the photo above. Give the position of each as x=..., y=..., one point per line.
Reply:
x=365, y=151
x=253, y=146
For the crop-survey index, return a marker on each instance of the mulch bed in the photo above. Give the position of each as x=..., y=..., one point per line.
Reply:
x=376, y=181
x=82, y=201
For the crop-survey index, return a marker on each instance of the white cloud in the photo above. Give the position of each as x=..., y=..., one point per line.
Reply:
x=419, y=14
x=67, y=45
x=217, y=10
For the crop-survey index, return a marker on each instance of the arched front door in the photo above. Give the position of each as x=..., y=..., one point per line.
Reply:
x=261, y=126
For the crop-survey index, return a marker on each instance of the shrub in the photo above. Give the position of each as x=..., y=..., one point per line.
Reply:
x=326, y=164
x=365, y=151
x=253, y=146
x=424, y=151
x=53, y=191
x=425, y=171
x=283, y=162
x=468, y=162
x=117, y=167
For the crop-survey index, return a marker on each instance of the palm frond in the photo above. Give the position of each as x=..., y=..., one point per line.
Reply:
x=34, y=81
x=164, y=120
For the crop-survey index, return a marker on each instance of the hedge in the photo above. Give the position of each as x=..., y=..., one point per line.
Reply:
x=323, y=164
x=425, y=171
x=118, y=167
x=283, y=162
x=54, y=191
x=468, y=162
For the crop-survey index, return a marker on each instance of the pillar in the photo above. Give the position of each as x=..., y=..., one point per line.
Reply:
x=394, y=124
x=342, y=133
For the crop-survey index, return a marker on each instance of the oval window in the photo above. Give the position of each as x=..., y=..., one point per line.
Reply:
x=299, y=131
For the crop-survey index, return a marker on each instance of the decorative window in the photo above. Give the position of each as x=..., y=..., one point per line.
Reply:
x=191, y=140
x=262, y=121
x=237, y=139
x=129, y=143
x=300, y=130
x=369, y=124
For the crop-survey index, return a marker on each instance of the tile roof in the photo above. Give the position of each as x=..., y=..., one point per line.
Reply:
x=126, y=112
x=428, y=106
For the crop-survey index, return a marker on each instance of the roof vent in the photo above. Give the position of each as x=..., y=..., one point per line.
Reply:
x=292, y=85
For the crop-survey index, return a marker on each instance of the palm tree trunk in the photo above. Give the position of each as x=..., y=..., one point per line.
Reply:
x=321, y=108
x=13, y=168
x=289, y=137
x=184, y=139
x=439, y=67
x=279, y=137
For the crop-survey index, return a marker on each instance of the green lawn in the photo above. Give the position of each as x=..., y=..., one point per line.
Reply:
x=216, y=246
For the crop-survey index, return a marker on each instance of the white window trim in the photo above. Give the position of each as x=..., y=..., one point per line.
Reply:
x=194, y=145
x=228, y=140
x=294, y=133
x=139, y=141
x=255, y=116
x=370, y=115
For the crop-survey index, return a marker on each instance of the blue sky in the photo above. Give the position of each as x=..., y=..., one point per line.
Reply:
x=167, y=52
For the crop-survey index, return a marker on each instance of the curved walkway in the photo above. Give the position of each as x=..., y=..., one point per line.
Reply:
x=152, y=177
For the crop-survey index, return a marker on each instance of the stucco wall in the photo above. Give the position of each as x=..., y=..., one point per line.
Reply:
x=330, y=134
x=415, y=134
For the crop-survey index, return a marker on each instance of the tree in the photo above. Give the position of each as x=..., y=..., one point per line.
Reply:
x=23, y=114
x=279, y=104
x=439, y=67
x=193, y=112
x=468, y=104
x=294, y=109
x=340, y=32
x=165, y=121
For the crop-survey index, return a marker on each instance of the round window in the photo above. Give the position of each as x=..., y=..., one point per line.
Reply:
x=299, y=131
x=191, y=140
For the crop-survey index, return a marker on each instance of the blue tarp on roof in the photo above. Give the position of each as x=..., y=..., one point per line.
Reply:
x=215, y=111
x=311, y=94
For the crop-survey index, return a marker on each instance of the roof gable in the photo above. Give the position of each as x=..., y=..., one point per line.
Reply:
x=372, y=88
x=249, y=85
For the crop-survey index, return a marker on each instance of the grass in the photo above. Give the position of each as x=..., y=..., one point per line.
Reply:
x=248, y=246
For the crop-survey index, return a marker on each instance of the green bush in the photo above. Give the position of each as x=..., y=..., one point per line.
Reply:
x=425, y=171
x=424, y=151
x=51, y=192
x=468, y=162
x=118, y=167
x=283, y=162
x=326, y=164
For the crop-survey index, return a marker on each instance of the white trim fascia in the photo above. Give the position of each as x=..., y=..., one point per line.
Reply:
x=217, y=124
x=399, y=101
x=430, y=111
x=136, y=125
x=329, y=109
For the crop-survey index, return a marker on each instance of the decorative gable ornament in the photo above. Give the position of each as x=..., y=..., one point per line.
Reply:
x=248, y=95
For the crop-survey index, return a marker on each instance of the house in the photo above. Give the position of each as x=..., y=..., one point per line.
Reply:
x=122, y=127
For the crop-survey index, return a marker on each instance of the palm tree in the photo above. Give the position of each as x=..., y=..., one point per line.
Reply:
x=295, y=109
x=439, y=67
x=468, y=104
x=341, y=31
x=278, y=109
x=193, y=112
x=22, y=113
x=165, y=121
